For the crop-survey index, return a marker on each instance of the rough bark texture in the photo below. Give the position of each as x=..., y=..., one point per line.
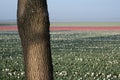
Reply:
x=33, y=27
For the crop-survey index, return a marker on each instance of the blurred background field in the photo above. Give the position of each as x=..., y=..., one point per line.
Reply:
x=85, y=24
x=77, y=55
x=71, y=24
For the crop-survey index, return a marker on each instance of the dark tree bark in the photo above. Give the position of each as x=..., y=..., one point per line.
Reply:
x=33, y=27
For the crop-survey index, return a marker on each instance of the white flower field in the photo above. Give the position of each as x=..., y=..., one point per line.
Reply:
x=77, y=55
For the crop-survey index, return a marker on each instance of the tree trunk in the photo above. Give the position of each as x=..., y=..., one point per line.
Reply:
x=33, y=27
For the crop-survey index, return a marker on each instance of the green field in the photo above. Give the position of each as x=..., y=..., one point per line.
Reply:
x=76, y=55
x=85, y=24
x=70, y=24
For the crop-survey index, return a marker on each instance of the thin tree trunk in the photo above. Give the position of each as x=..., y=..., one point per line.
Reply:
x=33, y=27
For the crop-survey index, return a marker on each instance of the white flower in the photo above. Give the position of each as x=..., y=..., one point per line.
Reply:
x=10, y=73
x=115, y=62
x=3, y=70
x=14, y=73
x=119, y=75
x=104, y=79
x=92, y=74
x=76, y=72
x=63, y=73
x=81, y=59
x=87, y=73
x=18, y=77
x=110, y=62
x=114, y=76
x=22, y=73
x=97, y=79
x=6, y=69
x=80, y=78
x=108, y=76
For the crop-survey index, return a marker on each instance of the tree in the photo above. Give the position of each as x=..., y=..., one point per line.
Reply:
x=33, y=28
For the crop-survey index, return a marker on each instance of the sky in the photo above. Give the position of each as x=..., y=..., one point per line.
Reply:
x=70, y=10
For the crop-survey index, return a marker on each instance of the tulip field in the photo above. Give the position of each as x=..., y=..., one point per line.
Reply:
x=77, y=55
